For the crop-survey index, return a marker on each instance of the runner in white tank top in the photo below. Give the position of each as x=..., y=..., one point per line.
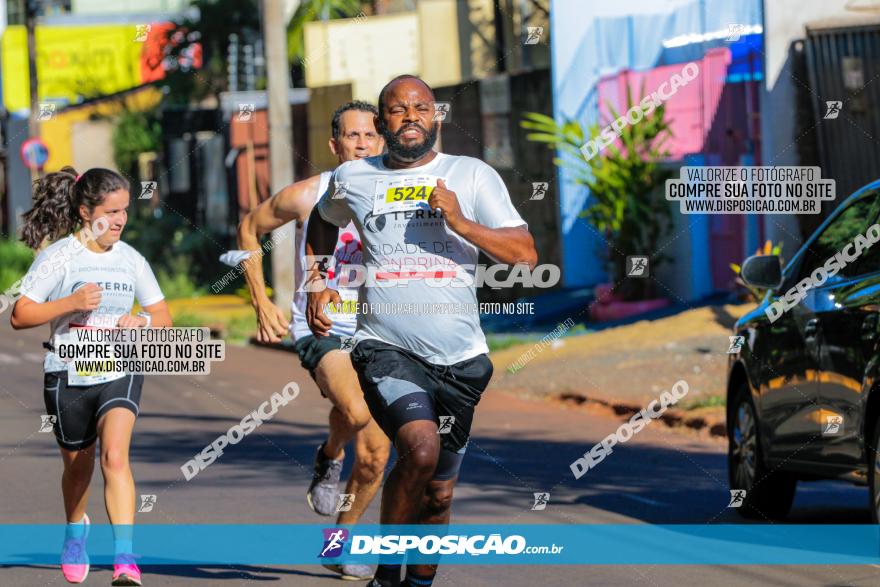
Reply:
x=348, y=251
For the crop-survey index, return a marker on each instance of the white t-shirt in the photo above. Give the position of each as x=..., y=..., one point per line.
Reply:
x=406, y=243
x=348, y=250
x=63, y=267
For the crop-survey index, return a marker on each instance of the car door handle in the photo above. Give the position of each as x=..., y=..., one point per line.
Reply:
x=811, y=328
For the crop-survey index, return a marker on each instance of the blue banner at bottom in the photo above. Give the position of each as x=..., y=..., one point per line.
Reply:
x=600, y=544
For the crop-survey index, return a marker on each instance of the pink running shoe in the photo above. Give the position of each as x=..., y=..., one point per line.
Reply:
x=74, y=558
x=125, y=571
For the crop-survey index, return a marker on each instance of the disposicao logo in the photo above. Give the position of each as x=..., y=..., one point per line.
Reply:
x=334, y=542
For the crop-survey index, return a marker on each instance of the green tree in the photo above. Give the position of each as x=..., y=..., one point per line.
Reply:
x=627, y=205
x=134, y=133
x=209, y=25
x=311, y=10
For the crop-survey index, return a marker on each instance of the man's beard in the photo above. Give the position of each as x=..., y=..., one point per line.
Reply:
x=414, y=153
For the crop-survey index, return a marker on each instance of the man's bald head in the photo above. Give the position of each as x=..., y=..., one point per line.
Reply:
x=402, y=79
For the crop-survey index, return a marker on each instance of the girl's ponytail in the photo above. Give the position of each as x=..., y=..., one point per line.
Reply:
x=54, y=212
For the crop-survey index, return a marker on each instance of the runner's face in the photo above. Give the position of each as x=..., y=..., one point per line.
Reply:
x=408, y=114
x=114, y=209
x=358, y=137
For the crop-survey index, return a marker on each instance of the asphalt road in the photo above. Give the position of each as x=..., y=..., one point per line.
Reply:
x=518, y=447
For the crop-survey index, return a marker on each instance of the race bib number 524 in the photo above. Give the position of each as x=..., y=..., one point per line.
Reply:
x=406, y=193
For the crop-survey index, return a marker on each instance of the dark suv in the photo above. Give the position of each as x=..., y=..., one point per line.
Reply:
x=803, y=393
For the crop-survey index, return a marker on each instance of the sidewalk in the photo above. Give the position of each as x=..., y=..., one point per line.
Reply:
x=622, y=369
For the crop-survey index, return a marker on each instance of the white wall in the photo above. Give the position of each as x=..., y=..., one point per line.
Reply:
x=98, y=135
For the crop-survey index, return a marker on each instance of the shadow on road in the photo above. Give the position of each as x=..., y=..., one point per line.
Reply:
x=233, y=572
x=216, y=572
x=654, y=484
x=723, y=317
x=659, y=484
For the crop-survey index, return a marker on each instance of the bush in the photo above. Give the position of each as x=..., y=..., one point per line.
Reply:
x=15, y=260
x=135, y=133
x=709, y=401
x=185, y=260
x=234, y=329
x=499, y=343
x=175, y=280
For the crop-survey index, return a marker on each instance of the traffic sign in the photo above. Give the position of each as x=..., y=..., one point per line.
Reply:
x=34, y=153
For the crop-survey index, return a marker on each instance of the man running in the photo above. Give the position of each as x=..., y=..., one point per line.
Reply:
x=418, y=372
x=354, y=136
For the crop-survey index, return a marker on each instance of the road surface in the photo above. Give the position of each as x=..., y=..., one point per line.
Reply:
x=518, y=447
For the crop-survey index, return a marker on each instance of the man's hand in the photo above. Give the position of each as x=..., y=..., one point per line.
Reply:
x=446, y=200
x=319, y=323
x=271, y=321
x=86, y=298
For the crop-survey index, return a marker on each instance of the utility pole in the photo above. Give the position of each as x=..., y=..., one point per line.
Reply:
x=30, y=23
x=500, y=45
x=280, y=142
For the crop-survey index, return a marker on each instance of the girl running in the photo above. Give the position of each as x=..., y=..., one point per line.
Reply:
x=89, y=279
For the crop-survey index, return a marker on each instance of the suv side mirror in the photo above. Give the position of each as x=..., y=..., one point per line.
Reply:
x=762, y=271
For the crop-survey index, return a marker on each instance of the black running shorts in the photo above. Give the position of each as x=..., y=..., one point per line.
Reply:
x=400, y=387
x=311, y=349
x=78, y=409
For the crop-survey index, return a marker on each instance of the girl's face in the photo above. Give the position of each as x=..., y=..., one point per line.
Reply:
x=110, y=216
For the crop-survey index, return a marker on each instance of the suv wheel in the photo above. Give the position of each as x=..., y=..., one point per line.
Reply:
x=769, y=495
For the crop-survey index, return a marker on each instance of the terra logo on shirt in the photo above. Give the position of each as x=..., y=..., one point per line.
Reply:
x=124, y=287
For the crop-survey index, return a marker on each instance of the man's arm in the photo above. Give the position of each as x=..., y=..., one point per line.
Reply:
x=507, y=245
x=293, y=203
x=510, y=245
x=320, y=240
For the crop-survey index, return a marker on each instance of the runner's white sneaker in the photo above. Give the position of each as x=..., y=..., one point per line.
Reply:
x=323, y=491
x=351, y=572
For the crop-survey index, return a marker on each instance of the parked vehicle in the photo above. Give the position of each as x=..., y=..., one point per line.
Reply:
x=803, y=392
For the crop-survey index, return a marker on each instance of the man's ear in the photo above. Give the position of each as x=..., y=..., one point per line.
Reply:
x=334, y=146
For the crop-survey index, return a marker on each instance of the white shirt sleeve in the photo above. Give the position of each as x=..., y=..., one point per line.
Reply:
x=336, y=211
x=41, y=281
x=146, y=288
x=492, y=205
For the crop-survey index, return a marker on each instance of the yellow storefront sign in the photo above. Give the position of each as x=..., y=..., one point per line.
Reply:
x=73, y=63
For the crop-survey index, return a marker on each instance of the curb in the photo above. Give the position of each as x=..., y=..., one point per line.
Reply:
x=714, y=425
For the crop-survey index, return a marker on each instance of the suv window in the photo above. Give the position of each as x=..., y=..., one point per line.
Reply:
x=843, y=230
